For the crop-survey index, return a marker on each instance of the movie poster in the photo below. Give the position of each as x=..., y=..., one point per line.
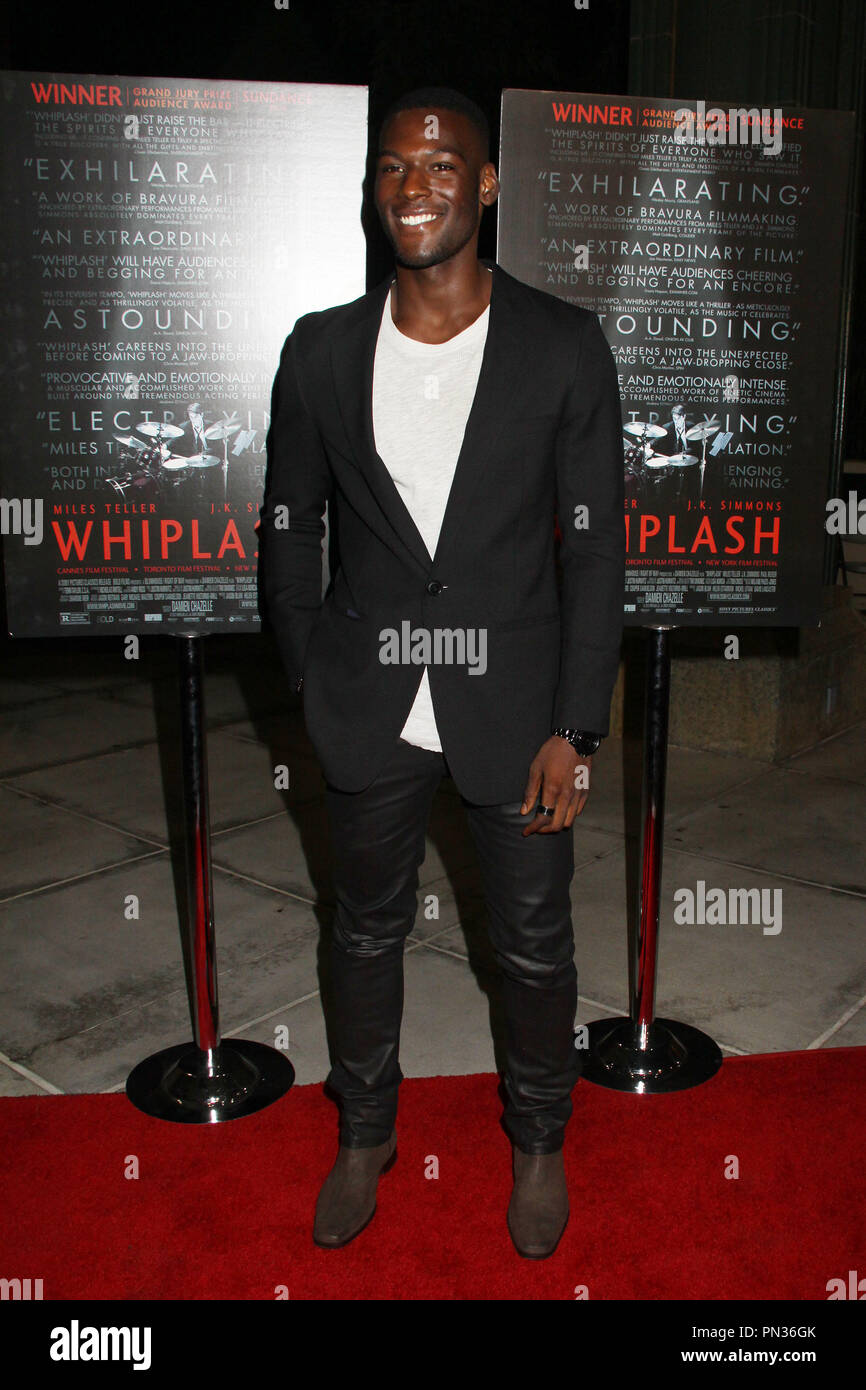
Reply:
x=709, y=241
x=160, y=237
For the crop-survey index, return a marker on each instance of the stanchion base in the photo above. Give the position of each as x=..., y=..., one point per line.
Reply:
x=193, y=1087
x=678, y=1057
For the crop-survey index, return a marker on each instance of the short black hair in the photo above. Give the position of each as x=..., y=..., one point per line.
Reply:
x=446, y=99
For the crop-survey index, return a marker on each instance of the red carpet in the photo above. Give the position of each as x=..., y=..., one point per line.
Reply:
x=226, y=1212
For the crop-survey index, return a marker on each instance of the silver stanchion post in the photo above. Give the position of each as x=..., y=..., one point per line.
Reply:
x=642, y=1053
x=208, y=1081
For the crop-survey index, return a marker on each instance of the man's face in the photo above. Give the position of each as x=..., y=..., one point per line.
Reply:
x=435, y=170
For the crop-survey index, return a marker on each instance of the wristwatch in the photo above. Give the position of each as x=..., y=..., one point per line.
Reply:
x=582, y=742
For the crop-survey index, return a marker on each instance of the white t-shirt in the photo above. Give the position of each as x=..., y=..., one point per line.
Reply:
x=422, y=396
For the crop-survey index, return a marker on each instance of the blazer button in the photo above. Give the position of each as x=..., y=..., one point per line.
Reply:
x=435, y=586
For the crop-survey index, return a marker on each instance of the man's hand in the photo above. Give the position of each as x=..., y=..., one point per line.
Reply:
x=554, y=781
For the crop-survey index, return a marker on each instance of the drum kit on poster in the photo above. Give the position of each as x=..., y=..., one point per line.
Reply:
x=661, y=481
x=150, y=472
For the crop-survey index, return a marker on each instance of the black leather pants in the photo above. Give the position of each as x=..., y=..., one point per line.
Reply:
x=378, y=844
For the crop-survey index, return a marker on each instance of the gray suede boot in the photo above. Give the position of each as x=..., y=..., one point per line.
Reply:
x=538, y=1210
x=347, y=1201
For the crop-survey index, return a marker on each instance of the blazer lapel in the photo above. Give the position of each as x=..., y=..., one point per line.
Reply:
x=353, y=358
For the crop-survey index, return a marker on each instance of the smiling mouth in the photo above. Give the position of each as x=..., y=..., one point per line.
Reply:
x=416, y=219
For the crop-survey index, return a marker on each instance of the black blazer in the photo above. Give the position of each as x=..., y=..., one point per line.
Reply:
x=543, y=438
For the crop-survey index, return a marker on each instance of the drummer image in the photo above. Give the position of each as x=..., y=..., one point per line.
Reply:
x=679, y=424
x=192, y=439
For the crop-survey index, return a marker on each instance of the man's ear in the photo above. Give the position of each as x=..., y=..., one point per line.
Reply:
x=489, y=190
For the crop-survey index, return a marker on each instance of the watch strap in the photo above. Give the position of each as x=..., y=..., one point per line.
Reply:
x=582, y=741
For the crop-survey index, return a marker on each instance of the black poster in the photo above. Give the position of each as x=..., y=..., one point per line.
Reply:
x=160, y=236
x=709, y=241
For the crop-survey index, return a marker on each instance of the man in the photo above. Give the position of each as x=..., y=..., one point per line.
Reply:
x=447, y=416
x=680, y=425
x=193, y=441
